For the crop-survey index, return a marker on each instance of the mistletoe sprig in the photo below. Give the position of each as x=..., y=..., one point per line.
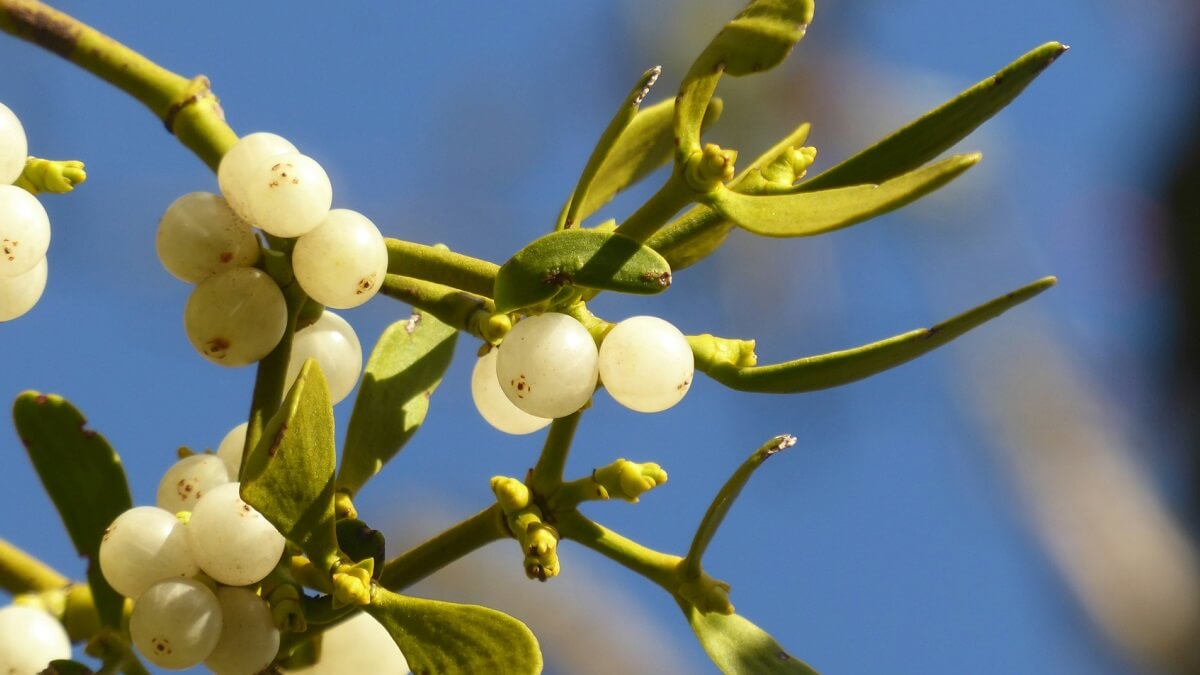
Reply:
x=330, y=568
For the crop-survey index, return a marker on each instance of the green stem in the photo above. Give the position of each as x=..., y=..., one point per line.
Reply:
x=441, y=265
x=417, y=563
x=451, y=306
x=23, y=573
x=548, y=472
x=187, y=107
x=271, y=377
x=661, y=568
x=670, y=198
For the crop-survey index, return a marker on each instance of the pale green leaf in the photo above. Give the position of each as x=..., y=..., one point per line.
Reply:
x=405, y=367
x=738, y=647
x=582, y=258
x=939, y=129
x=443, y=637
x=288, y=476
x=83, y=477
x=838, y=368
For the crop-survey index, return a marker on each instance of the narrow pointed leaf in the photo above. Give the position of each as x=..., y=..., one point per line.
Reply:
x=444, y=637
x=757, y=39
x=584, y=258
x=729, y=492
x=83, y=477
x=646, y=144
x=288, y=476
x=405, y=368
x=939, y=129
x=809, y=213
x=700, y=231
x=838, y=368
x=625, y=115
x=738, y=647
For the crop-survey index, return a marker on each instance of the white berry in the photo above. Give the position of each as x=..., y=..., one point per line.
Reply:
x=235, y=317
x=494, y=406
x=24, y=231
x=30, y=638
x=243, y=158
x=332, y=342
x=231, y=540
x=19, y=294
x=176, y=623
x=143, y=546
x=188, y=480
x=200, y=235
x=646, y=364
x=14, y=149
x=341, y=263
x=231, y=449
x=357, y=645
x=547, y=365
x=288, y=195
x=249, y=638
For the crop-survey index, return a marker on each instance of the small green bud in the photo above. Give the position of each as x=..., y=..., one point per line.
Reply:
x=629, y=479
x=705, y=169
x=48, y=175
x=511, y=494
x=790, y=166
x=495, y=327
x=352, y=583
x=707, y=594
x=343, y=506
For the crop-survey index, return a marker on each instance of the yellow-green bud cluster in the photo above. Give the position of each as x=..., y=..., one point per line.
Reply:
x=628, y=480
x=538, y=539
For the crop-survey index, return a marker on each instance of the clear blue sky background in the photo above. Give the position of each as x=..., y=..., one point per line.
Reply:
x=889, y=540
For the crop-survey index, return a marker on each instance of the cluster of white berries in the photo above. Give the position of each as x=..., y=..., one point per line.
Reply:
x=548, y=367
x=155, y=554
x=24, y=226
x=237, y=314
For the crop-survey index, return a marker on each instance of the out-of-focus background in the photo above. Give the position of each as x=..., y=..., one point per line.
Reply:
x=1024, y=500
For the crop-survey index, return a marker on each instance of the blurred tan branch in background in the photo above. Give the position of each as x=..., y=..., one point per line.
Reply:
x=1132, y=567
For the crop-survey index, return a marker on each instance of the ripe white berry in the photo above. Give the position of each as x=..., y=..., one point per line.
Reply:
x=14, y=149
x=231, y=449
x=243, y=158
x=494, y=406
x=24, y=231
x=332, y=342
x=358, y=645
x=231, y=540
x=200, y=235
x=176, y=623
x=249, y=638
x=343, y=261
x=19, y=294
x=646, y=364
x=30, y=638
x=188, y=480
x=288, y=195
x=235, y=317
x=547, y=365
x=143, y=546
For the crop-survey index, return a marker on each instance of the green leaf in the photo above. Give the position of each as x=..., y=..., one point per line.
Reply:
x=939, y=129
x=405, y=368
x=84, y=479
x=66, y=667
x=584, y=258
x=443, y=637
x=288, y=476
x=700, y=231
x=757, y=39
x=738, y=647
x=729, y=492
x=809, y=213
x=645, y=145
x=838, y=368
